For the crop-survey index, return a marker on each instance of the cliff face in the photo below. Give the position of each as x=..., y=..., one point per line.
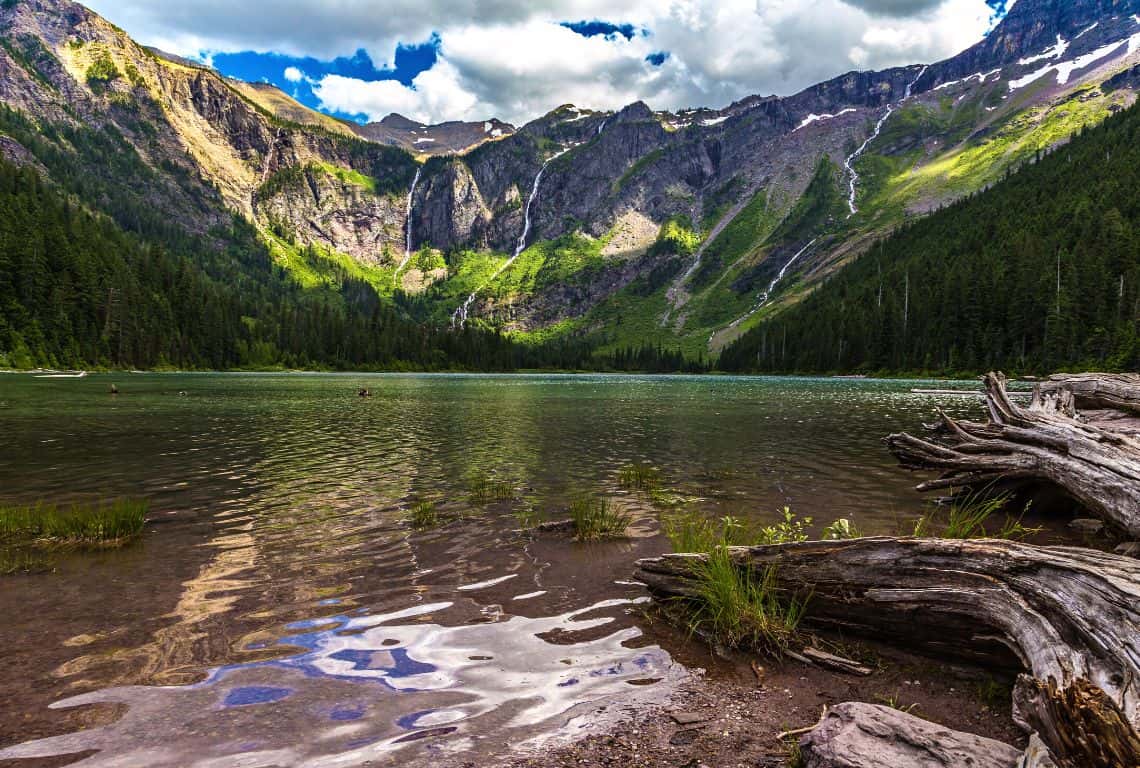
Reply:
x=745, y=178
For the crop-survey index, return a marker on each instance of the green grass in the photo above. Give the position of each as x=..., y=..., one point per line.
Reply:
x=81, y=526
x=484, y=489
x=423, y=516
x=970, y=516
x=642, y=477
x=739, y=607
x=595, y=518
x=349, y=176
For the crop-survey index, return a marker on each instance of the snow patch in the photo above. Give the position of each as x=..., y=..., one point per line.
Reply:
x=1066, y=69
x=1056, y=52
x=497, y=133
x=424, y=140
x=714, y=121
x=487, y=127
x=814, y=118
x=1095, y=24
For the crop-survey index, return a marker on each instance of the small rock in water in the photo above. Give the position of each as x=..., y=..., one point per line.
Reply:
x=1087, y=525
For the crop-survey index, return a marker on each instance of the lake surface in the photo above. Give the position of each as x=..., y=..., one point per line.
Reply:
x=280, y=611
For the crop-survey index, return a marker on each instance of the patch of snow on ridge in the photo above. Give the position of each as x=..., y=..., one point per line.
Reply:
x=487, y=127
x=1095, y=24
x=981, y=77
x=1056, y=52
x=714, y=121
x=423, y=140
x=813, y=118
x=1065, y=69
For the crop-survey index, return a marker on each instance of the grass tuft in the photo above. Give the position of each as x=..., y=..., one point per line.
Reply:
x=485, y=489
x=968, y=516
x=639, y=476
x=98, y=526
x=741, y=608
x=595, y=518
x=423, y=516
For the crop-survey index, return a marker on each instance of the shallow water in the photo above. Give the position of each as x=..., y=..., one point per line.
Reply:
x=278, y=610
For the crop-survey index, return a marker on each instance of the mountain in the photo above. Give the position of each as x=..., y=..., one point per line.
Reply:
x=452, y=138
x=638, y=228
x=1040, y=272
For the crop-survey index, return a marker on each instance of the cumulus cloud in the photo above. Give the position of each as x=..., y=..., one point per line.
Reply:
x=517, y=59
x=294, y=75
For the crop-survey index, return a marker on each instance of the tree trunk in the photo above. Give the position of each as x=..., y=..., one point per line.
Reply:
x=1038, y=444
x=1067, y=616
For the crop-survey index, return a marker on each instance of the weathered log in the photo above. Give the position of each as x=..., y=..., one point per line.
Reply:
x=855, y=735
x=1114, y=391
x=1068, y=617
x=1038, y=444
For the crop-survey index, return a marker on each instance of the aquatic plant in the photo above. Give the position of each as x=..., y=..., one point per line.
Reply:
x=642, y=477
x=527, y=516
x=43, y=526
x=484, y=489
x=595, y=518
x=423, y=515
x=967, y=518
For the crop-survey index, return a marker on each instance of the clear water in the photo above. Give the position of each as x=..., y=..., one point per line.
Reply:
x=279, y=611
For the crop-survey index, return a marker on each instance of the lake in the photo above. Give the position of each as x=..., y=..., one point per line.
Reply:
x=280, y=610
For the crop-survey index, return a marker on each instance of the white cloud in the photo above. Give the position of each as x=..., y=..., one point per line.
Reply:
x=511, y=59
x=294, y=75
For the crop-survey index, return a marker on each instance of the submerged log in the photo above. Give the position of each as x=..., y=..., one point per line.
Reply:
x=1067, y=618
x=1034, y=445
x=855, y=735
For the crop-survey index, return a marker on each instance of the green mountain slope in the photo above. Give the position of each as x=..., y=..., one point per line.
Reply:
x=1041, y=272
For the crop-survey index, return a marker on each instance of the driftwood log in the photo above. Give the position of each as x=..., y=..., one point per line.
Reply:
x=855, y=735
x=1041, y=444
x=1067, y=619
x=1091, y=391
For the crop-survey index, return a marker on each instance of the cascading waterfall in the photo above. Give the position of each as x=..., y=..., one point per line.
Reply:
x=766, y=295
x=408, y=234
x=849, y=163
x=459, y=317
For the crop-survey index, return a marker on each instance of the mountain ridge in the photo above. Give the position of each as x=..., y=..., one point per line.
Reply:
x=628, y=201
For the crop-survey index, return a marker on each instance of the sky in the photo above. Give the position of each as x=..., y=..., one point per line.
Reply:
x=439, y=60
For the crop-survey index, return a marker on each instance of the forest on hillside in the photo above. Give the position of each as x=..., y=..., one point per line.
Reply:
x=1039, y=273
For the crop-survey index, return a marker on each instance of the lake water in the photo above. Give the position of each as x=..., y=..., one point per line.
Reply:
x=280, y=611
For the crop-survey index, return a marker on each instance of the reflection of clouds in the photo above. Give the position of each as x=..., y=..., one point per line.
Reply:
x=363, y=688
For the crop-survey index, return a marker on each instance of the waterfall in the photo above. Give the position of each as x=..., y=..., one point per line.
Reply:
x=766, y=295
x=408, y=234
x=459, y=317
x=849, y=163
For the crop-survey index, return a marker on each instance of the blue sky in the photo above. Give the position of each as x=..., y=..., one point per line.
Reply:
x=437, y=60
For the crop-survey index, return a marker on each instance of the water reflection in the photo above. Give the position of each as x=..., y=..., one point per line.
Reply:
x=279, y=610
x=361, y=686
